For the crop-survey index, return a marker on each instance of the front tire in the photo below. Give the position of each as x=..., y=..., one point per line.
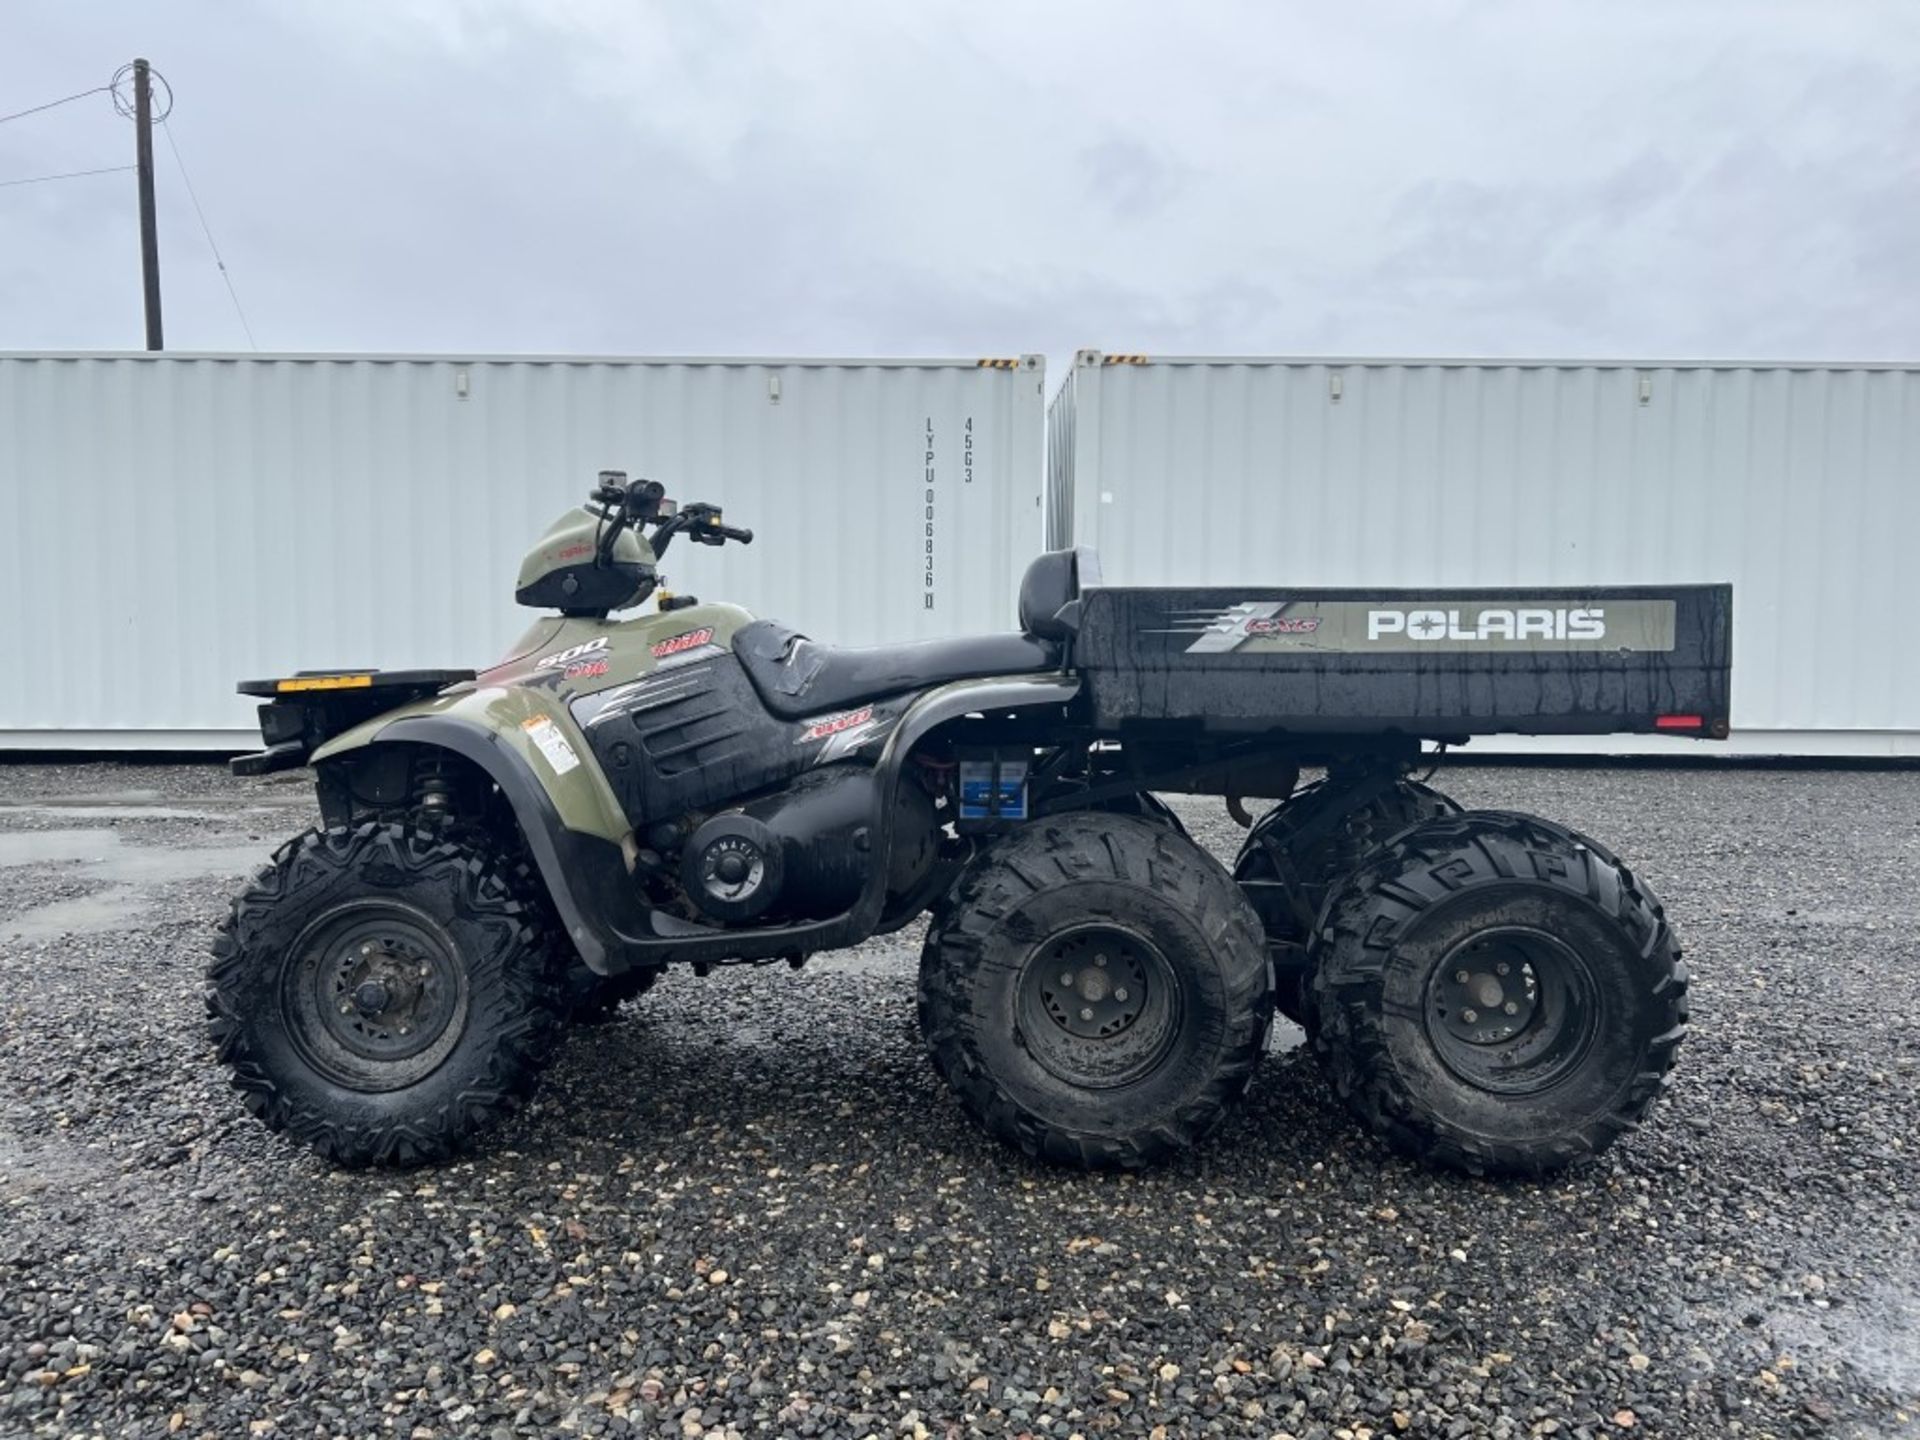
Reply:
x=1498, y=995
x=382, y=994
x=1096, y=991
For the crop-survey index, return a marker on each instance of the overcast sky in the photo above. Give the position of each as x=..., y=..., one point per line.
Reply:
x=1666, y=179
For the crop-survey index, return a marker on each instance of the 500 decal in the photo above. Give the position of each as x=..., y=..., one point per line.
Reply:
x=562, y=658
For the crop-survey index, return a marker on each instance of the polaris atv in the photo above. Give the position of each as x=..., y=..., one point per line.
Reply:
x=507, y=850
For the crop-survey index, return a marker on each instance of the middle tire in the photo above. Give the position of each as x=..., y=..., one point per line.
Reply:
x=1096, y=991
x=1293, y=844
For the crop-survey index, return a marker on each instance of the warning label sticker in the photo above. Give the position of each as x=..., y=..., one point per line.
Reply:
x=552, y=744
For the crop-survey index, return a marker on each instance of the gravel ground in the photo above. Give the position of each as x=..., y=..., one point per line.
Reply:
x=748, y=1208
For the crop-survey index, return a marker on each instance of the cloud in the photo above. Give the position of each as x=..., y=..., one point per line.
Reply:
x=606, y=176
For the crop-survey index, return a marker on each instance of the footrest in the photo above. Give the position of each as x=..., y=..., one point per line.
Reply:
x=287, y=755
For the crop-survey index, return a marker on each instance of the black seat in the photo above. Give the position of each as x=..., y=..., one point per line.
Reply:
x=796, y=677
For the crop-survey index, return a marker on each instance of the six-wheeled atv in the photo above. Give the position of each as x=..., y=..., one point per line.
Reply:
x=506, y=850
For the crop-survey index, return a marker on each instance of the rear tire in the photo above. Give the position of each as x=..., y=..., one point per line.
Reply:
x=1497, y=995
x=381, y=993
x=1318, y=863
x=1158, y=1032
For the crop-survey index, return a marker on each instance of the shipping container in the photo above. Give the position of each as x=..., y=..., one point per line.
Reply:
x=1798, y=484
x=176, y=523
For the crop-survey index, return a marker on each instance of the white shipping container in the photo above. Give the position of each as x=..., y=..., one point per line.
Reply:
x=1799, y=484
x=175, y=523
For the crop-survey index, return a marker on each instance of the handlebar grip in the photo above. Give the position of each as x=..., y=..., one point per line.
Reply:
x=744, y=537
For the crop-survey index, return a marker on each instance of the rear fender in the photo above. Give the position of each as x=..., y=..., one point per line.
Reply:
x=573, y=825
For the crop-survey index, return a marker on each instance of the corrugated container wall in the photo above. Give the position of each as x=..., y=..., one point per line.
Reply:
x=1800, y=484
x=177, y=523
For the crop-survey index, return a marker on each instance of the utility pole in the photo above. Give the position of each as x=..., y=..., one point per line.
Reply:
x=149, y=227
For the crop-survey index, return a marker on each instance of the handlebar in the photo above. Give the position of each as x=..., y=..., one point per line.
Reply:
x=640, y=502
x=706, y=529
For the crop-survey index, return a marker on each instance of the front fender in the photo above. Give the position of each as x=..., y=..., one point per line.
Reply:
x=527, y=726
x=573, y=824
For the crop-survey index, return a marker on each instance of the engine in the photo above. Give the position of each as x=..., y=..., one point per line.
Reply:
x=804, y=852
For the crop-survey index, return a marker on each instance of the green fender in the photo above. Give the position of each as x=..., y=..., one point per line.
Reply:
x=573, y=826
x=528, y=725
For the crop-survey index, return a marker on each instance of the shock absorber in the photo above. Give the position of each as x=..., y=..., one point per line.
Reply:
x=432, y=792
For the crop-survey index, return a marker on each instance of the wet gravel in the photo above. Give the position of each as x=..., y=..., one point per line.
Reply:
x=747, y=1207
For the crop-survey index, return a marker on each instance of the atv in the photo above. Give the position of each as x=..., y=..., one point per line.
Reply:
x=505, y=851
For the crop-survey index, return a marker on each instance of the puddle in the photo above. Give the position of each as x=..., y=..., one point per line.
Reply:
x=127, y=873
x=1877, y=1337
x=27, y=1167
x=145, y=805
x=78, y=811
x=94, y=797
x=104, y=855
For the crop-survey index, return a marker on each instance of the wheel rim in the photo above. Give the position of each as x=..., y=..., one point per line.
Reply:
x=1097, y=1006
x=374, y=995
x=1512, y=1010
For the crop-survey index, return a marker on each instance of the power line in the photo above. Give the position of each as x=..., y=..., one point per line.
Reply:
x=207, y=230
x=21, y=114
x=69, y=175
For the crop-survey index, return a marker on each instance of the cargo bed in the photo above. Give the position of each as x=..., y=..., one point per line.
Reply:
x=1436, y=664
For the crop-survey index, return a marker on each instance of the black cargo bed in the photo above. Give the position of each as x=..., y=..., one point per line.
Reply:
x=1431, y=663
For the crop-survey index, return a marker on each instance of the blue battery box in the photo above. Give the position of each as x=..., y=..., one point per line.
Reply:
x=993, y=787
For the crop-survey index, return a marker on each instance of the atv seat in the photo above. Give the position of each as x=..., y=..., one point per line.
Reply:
x=796, y=678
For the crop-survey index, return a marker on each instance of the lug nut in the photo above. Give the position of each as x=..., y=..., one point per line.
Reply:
x=1121, y=994
x=425, y=971
x=346, y=1007
x=366, y=949
x=403, y=1029
x=1066, y=980
x=1470, y=1016
x=1101, y=961
x=1502, y=968
x=1085, y=1013
x=1460, y=977
x=1511, y=1008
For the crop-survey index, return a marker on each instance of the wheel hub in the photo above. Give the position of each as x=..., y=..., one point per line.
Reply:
x=1487, y=994
x=370, y=997
x=1100, y=989
x=1511, y=1010
x=1097, y=1006
x=374, y=995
